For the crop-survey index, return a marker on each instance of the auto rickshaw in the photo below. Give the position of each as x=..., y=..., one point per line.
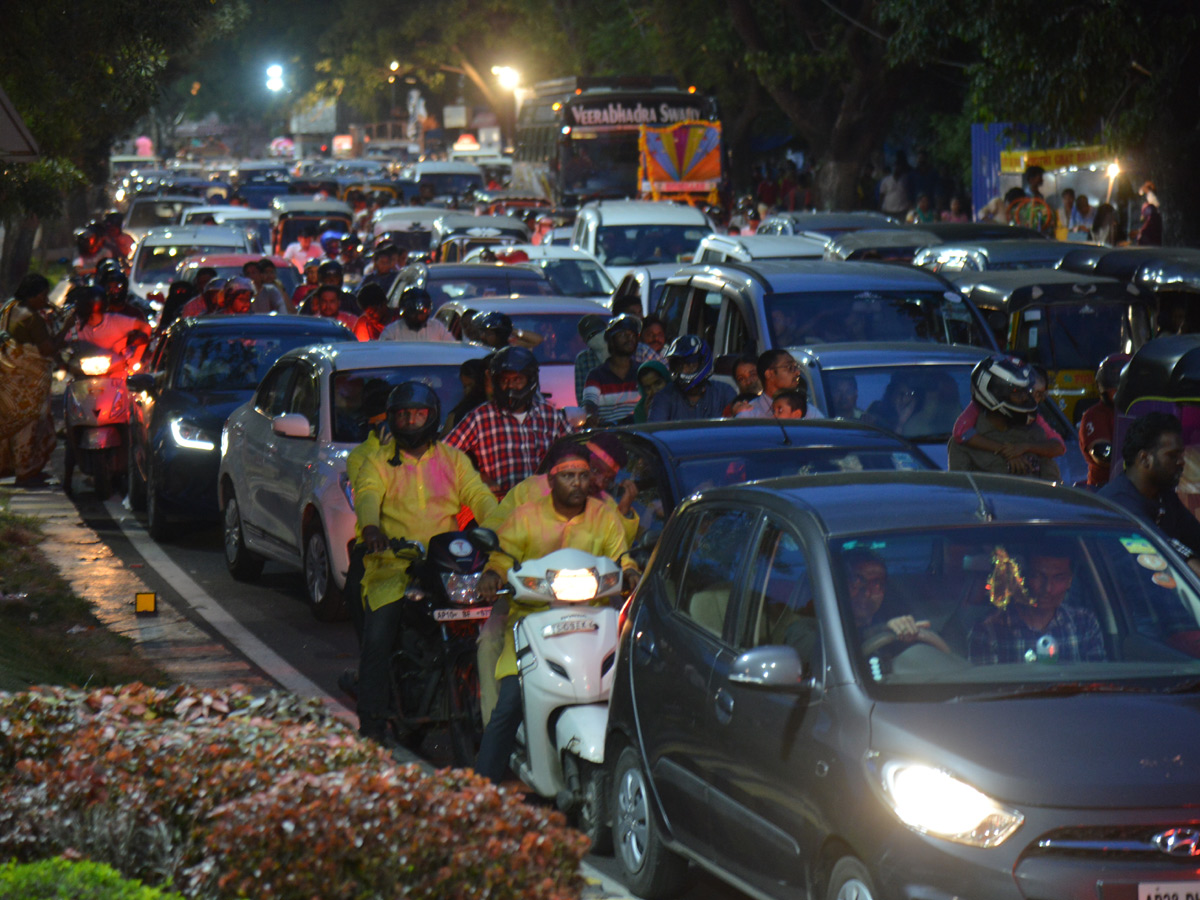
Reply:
x=1121, y=263
x=1174, y=281
x=890, y=245
x=992, y=255
x=1064, y=322
x=289, y=216
x=1164, y=376
x=454, y=235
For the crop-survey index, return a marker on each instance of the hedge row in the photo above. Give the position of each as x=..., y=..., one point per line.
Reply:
x=225, y=795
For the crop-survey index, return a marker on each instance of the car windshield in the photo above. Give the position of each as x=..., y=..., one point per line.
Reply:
x=502, y=285
x=286, y=276
x=576, y=277
x=1077, y=335
x=633, y=245
x=229, y=362
x=917, y=401
x=596, y=162
x=553, y=337
x=1020, y=609
x=359, y=394
x=716, y=470
x=815, y=317
x=152, y=213
x=159, y=263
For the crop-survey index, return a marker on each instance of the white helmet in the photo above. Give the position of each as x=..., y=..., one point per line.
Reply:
x=1004, y=384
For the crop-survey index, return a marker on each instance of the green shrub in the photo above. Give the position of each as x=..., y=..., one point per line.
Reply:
x=65, y=879
x=226, y=794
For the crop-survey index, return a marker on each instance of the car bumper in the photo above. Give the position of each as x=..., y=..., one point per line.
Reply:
x=186, y=481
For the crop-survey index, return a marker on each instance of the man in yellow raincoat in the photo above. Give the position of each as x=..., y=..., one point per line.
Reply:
x=568, y=518
x=411, y=487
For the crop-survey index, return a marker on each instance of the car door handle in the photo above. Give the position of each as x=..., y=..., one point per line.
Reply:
x=645, y=650
x=723, y=701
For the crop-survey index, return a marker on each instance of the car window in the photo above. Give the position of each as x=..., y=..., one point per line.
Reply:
x=778, y=608
x=274, y=390
x=737, y=337
x=305, y=396
x=670, y=309
x=702, y=314
x=360, y=395
x=530, y=287
x=162, y=357
x=645, y=469
x=709, y=580
x=159, y=263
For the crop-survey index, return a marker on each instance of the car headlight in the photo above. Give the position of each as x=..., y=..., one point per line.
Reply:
x=190, y=436
x=461, y=587
x=95, y=365
x=574, y=585
x=934, y=802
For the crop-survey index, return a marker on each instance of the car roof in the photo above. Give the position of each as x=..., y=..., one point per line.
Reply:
x=167, y=235
x=230, y=212
x=234, y=259
x=1013, y=250
x=283, y=324
x=646, y=212
x=891, y=353
x=862, y=502
x=370, y=354
x=765, y=246
x=550, y=251
x=147, y=197
x=530, y=305
x=439, y=271
x=706, y=437
x=457, y=220
x=992, y=289
x=285, y=203
x=809, y=276
x=815, y=221
x=1176, y=273
x=866, y=238
x=445, y=167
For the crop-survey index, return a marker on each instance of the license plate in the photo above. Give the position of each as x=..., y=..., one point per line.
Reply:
x=454, y=615
x=1170, y=890
x=570, y=626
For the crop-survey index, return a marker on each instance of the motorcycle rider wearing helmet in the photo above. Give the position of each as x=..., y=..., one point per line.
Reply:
x=1098, y=421
x=123, y=336
x=331, y=274
x=114, y=237
x=691, y=394
x=492, y=329
x=610, y=391
x=411, y=486
x=111, y=278
x=508, y=435
x=238, y=296
x=92, y=249
x=415, y=323
x=207, y=303
x=1006, y=438
x=568, y=517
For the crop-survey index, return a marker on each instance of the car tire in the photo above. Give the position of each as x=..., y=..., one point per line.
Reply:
x=243, y=563
x=850, y=880
x=157, y=522
x=137, y=485
x=325, y=597
x=652, y=871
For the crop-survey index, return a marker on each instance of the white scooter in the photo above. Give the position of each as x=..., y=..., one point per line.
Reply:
x=96, y=415
x=566, y=656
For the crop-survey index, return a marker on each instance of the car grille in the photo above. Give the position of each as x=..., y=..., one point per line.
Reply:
x=1111, y=843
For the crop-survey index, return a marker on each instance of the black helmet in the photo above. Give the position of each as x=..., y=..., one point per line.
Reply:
x=623, y=322
x=1004, y=384
x=330, y=267
x=1108, y=375
x=683, y=350
x=414, y=395
x=414, y=300
x=493, y=321
x=87, y=240
x=513, y=359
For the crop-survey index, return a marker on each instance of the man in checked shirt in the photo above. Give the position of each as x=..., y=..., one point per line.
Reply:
x=508, y=435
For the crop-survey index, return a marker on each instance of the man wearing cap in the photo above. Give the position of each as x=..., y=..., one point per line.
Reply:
x=384, y=269
x=567, y=518
x=611, y=390
x=591, y=329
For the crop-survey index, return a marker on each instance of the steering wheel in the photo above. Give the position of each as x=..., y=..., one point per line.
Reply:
x=924, y=635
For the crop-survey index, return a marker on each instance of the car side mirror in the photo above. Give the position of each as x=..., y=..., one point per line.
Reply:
x=293, y=425
x=775, y=667
x=141, y=382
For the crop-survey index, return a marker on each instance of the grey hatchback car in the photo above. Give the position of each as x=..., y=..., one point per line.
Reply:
x=909, y=685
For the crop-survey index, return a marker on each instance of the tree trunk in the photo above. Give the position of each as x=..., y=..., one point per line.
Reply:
x=837, y=184
x=17, y=252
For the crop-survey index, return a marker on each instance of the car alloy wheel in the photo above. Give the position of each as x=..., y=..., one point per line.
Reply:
x=850, y=880
x=652, y=870
x=323, y=592
x=243, y=563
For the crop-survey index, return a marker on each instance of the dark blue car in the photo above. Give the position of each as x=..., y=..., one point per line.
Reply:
x=201, y=371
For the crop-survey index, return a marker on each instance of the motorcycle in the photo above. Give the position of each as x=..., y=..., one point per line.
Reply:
x=435, y=680
x=566, y=654
x=96, y=415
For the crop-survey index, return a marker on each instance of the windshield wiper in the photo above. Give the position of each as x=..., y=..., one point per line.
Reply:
x=1059, y=689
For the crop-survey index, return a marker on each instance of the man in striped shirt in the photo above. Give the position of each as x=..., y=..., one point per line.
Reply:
x=611, y=390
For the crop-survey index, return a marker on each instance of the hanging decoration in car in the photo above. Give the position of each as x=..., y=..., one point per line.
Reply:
x=1006, y=584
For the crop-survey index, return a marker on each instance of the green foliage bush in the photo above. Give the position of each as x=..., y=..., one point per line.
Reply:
x=65, y=879
x=227, y=795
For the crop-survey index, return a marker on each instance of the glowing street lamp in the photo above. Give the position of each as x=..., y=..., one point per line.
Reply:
x=275, y=78
x=507, y=77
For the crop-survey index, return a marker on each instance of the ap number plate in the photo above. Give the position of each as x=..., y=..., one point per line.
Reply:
x=1170, y=890
x=454, y=615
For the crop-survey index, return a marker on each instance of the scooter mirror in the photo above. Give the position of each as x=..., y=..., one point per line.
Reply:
x=484, y=540
x=576, y=416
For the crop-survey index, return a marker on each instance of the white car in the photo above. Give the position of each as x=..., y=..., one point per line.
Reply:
x=622, y=234
x=645, y=283
x=160, y=252
x=255, y=221
x=282, y=488
x=719, y=248
x=147, y=211
x=573, y=272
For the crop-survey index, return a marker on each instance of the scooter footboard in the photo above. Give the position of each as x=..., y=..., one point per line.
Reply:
x=580, y=729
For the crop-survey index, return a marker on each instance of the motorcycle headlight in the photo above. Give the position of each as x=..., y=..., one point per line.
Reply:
x=95, y=365
x=347, y=489
x=573, y=585
x=461, y=587
x=934, y=802
x=186, y=435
